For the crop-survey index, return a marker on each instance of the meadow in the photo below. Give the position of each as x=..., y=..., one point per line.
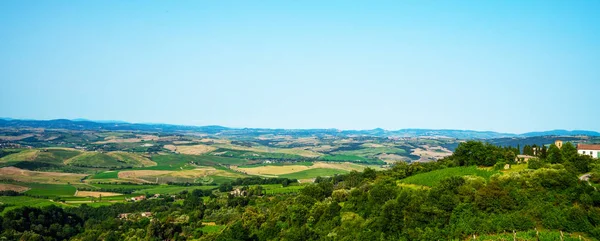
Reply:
x=434, y=177
x=109, y=160
x=106, y=175
x=50, y=190
x=21, y=201
x=277, y=164
x=167, y=189
x=279, y=189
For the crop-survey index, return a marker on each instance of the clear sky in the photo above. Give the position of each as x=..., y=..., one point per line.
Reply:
x=509, y=66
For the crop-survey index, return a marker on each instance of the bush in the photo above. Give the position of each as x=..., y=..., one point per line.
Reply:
x=535, y=163
x=499, y=166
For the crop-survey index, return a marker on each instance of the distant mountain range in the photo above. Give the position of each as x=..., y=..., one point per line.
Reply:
x=83, y=124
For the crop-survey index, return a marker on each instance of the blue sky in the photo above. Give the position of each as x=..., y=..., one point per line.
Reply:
x=510, y=66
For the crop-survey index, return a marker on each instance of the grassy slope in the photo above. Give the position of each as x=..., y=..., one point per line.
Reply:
x=133, y=159
x=277, y=164
x=25, y=155
x=432, y=178
x=56, y=156
x=371, y=151
x=165, y=189
x=109, y=160
x=106, y=175
x=45, y=189
x=50, y=190
x=20, y=201
x=182, y=162
x=94, y=159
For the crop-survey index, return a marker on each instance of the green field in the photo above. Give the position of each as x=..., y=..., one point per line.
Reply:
x=109, y=160
x=208, y=160
x=284, y=190
x=349, y=158
x=44, y=189
x=55, y=156
x=106, y=175
x=96, y=159
x=50, y=190
x=221, y=179
x=253, y=155
x=372, y=151
x=92, y=204
x=434, y=177
x=312, y=173
x=166, y=189
x=172, y=162
x=277, y=164
x=21, y=201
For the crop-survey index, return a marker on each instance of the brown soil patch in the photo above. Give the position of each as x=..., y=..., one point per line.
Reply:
x=428, y=153
x=182, y=142
x=139, y=138
x=22, y=175
x=11, y=187
x=170, y=147
x=311, y=180
x=15, y=138
x=372, y=145
x=273, y=170
x=321, y=148
x=280, y=170
x=139, y=158
x=336, y=165
x=211, y=140
x=194, y=150
x=392, y=158
x=195, y=173
x=96, y=194
x=142, y=173
x=293, y=151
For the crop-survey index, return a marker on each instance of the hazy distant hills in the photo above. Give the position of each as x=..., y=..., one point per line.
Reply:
x=82, y=124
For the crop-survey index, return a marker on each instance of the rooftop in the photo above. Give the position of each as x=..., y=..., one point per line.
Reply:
x=595, y=147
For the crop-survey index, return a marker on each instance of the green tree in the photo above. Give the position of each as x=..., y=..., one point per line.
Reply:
x=535, y=163
x=554, y=154
x=544, y=152
x=569, y=152
x=582, y=163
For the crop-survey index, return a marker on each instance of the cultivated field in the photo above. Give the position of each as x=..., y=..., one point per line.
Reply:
x=26, y=155
x=193, y=150
x=12, y=187
x=176, y=176
x=302, y=171
x=109, y=160
x=21, y=175
x=292, y=151
x=138, y=138
x=428, y=153
x=96, y=194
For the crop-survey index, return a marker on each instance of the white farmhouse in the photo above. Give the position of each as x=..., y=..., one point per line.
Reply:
x=590, y=150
